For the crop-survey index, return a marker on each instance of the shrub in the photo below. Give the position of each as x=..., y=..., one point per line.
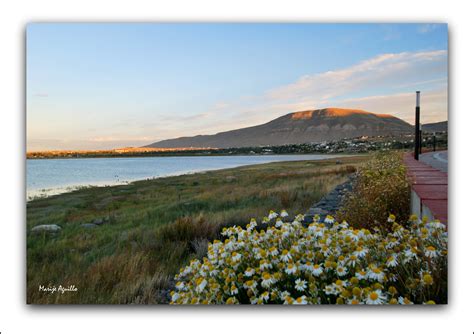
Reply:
x=329, y=263
x=381, y=188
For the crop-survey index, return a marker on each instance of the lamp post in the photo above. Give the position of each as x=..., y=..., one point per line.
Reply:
x=417, y=126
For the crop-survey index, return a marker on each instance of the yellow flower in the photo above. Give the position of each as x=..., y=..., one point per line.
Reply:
x=427, y=279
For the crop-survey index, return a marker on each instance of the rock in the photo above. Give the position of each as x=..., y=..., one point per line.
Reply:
x=330, y=203
x=100, y=221
x=317, y=211
x=89, y=225
x=46, y=228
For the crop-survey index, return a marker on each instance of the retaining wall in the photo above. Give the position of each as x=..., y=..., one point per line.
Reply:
x=429, y=190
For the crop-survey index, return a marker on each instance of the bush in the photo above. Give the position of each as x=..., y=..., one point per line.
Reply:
x=329, y=263
x=381, y=188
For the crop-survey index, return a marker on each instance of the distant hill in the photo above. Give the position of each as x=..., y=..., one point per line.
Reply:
x=435, y=127
x=300, y=127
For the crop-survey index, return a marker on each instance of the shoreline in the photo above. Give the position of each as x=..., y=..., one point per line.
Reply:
x=189, y=155
x=36, y=194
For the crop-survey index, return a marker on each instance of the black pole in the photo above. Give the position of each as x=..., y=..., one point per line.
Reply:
x=434, y=143
x=421, y=141
x=417, y=125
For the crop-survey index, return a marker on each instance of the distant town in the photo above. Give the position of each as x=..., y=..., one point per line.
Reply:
x=363, y=144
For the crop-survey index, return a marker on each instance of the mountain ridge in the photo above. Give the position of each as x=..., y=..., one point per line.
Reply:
x=435, y=127
x=314, y=125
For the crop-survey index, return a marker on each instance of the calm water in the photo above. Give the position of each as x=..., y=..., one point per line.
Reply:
x=53, y=176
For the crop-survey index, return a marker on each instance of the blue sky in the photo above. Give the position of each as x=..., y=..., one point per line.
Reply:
x=96, y=86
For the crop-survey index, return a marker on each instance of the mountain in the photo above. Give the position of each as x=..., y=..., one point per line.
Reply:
x=435, y=127
x=300, y=127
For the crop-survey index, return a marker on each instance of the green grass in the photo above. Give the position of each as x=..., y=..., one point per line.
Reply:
x=157, y=226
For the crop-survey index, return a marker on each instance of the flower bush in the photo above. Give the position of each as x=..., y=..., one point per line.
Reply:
x=323, y=263
x=381, y=188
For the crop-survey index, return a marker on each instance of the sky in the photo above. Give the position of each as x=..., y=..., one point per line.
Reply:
x=102, y=86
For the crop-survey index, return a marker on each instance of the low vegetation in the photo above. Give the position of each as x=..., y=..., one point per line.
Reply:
x=381, y=189
x=152, y=228
x=324, y=263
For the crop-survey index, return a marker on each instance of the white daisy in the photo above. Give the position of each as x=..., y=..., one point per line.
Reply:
x=285, y=255
x=376, y=274
x=404, y=301
x=360, y=252
x=300, y=300
x=352, y=260
x=265, y=296
x=392, y=243
x=410, y=254
x=341, y=271
x=300, y=285
x=250, y=284
x=201, y=284
x=174, y=296
x=376, y=298
x=291, y=269
x=329, y=219
x=330, y=289
x=273, y=251
x=272, y=215
x=361, y=274
x=249, y=272
x=392, y=261
x=284, y=295
x=267, y=280
x=265, y=265
x=317, y=270
x=236, y=257
x=353, y=301
x=431, y=252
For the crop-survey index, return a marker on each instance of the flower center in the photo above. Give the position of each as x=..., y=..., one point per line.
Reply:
x=374, y=296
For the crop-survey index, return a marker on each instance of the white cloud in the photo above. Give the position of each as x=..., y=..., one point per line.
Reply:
x=386, y=70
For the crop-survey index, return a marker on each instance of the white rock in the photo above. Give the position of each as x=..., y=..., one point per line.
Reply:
x=46, y=228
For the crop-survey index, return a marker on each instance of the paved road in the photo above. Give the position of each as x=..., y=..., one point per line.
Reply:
x=438, y=160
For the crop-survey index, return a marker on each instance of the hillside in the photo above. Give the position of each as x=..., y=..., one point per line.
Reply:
x=435, y=127
x=299, y=127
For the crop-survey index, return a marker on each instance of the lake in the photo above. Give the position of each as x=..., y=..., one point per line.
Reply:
x=46, y=177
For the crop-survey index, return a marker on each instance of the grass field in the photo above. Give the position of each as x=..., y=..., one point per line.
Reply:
x=154, y=227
